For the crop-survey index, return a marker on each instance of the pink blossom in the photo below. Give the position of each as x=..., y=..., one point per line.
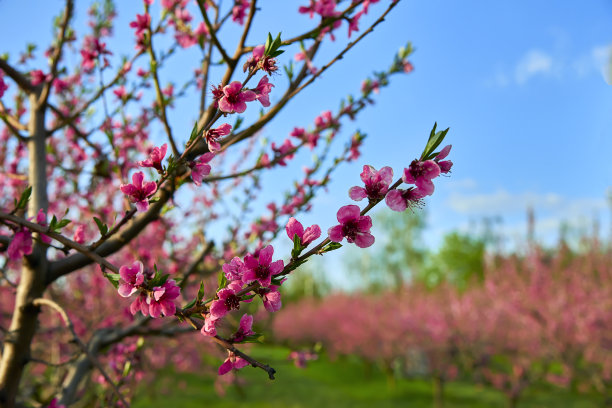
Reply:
x=353, y=226
x=138, y=191
x=132, y=277
x=245, y=329
x=284, y=151
x=421, y=173
x=263, y=90
x=253, y=60
x=121, y=93
x=234, y=98
x=325, y=8
x=399, y=200
x=408, y=67
x=232, y=362
x=201, y=168
x=155, y=158
x=294, y=227
x=161, y=300
x=37, y=77
x=445, y=165
x=209, y=329
x=142, y=23
x=239, y=11
x=59, y=85
x=213, y=135
x=3, y=85
x=55, y=404
x=271, y=298
x=227, y=300
x=20, y=245
x=262, y=268
x=233, y=270
x=310, y=138
x=258, y=60
x=325, y=120
x=41, y=219
x=79, y=234
x=376, y=184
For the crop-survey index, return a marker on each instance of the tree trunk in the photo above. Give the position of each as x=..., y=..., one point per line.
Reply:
x=16, y=347
x=438, y=391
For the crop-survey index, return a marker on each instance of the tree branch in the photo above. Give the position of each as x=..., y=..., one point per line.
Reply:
x=21, y=80
x=48, y=302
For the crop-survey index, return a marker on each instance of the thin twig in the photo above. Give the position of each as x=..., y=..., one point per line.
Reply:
x=60, y=238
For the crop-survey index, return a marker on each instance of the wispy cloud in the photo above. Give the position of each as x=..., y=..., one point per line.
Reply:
x=534, y=62
x=539, y=63
x=551, y=209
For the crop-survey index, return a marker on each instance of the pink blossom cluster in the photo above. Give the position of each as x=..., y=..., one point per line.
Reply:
x=239, y=11
x=255, y=268
x=91, y=51
x=151, y=301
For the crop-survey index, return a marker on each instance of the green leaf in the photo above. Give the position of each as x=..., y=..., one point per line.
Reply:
x=194, y=133
x=254, y=338
x=222, y=280
x=297, y=246
x=158, y=279
x=101, y=226
x=23, y=200
x=200, y=291
x=62, y=224
x=289, y=70
x=113, y=278
x=126, y=368
x=190, y=304
x=332, y=246
x=435, y=138
x=52, y=224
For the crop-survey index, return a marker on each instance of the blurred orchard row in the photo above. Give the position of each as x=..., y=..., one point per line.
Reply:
x=508, y=320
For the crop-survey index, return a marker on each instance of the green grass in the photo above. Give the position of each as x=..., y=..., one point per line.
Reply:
x=342, y=383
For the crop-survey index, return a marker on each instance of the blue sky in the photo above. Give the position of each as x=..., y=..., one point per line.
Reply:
x=521, y=84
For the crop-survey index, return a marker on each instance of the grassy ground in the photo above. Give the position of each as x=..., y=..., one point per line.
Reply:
x=343, y=383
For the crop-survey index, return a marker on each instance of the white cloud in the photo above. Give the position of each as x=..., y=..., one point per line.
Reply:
x=540, y=63
x=551, y=211
x=534, y=62
x=501, y=202
x=602, y=57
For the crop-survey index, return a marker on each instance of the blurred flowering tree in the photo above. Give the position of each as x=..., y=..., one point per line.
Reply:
x=530, y=319
x=107, y=227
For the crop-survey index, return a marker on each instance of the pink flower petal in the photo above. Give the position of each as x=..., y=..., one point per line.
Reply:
x=265, y=255
x=357, y=193
x=364, y=240
x=347, y=213
x=335, y=233
x=395, y=201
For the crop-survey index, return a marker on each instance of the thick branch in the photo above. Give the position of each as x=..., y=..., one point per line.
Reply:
x=18, y=77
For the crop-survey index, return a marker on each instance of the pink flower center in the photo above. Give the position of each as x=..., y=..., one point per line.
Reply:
x=262, y=272
x=350, y=229
x=232, y=302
